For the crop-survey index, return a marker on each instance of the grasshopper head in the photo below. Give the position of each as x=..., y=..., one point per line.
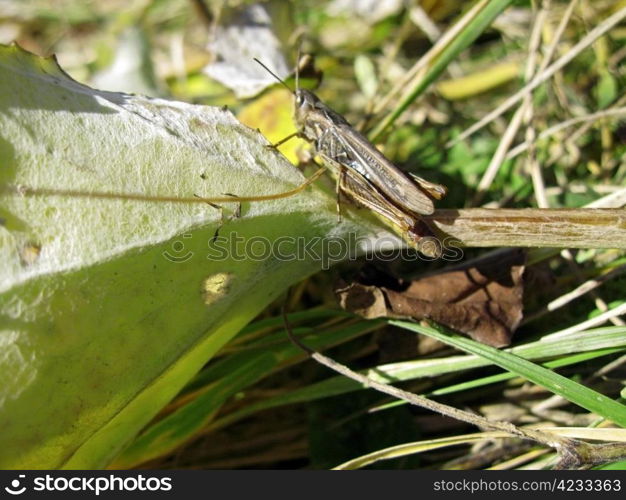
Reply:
x=306, y=105
x=305, y=102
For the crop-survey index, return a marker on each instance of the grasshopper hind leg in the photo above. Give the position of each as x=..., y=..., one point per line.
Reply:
x=223, y=220
x=220, y=209
x=340, y=181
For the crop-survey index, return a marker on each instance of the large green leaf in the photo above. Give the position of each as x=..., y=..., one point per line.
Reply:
x=109, y=306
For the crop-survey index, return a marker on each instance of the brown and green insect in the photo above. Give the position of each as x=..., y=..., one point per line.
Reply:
x=345, y=150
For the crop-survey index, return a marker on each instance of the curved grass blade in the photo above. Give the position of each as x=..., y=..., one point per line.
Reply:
x=555, y=383
x=473, y=30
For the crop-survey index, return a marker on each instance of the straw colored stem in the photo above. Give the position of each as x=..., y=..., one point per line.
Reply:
x=533, y=227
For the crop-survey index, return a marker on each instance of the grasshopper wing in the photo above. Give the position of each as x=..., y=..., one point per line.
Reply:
x=372, y=164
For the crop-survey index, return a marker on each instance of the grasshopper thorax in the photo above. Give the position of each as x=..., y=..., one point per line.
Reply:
x=306, y=104
x=313, y=118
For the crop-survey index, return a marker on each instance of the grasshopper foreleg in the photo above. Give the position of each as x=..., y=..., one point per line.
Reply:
x=282, y=141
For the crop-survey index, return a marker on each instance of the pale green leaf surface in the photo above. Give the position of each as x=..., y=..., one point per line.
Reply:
x=227, y=376
x=99, y=330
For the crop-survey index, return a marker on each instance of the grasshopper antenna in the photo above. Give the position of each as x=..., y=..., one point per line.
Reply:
x=276, y=76
x=298, y=64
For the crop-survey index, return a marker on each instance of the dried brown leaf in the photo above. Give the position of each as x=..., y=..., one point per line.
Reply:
x=482, y=299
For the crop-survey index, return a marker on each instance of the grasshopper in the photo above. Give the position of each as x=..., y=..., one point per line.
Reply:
x=398, y=197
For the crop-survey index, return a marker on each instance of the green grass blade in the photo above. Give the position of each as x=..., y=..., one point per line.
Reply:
x=564, y=387
x=589, y=344
x=222, y=380
x=473, y=30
